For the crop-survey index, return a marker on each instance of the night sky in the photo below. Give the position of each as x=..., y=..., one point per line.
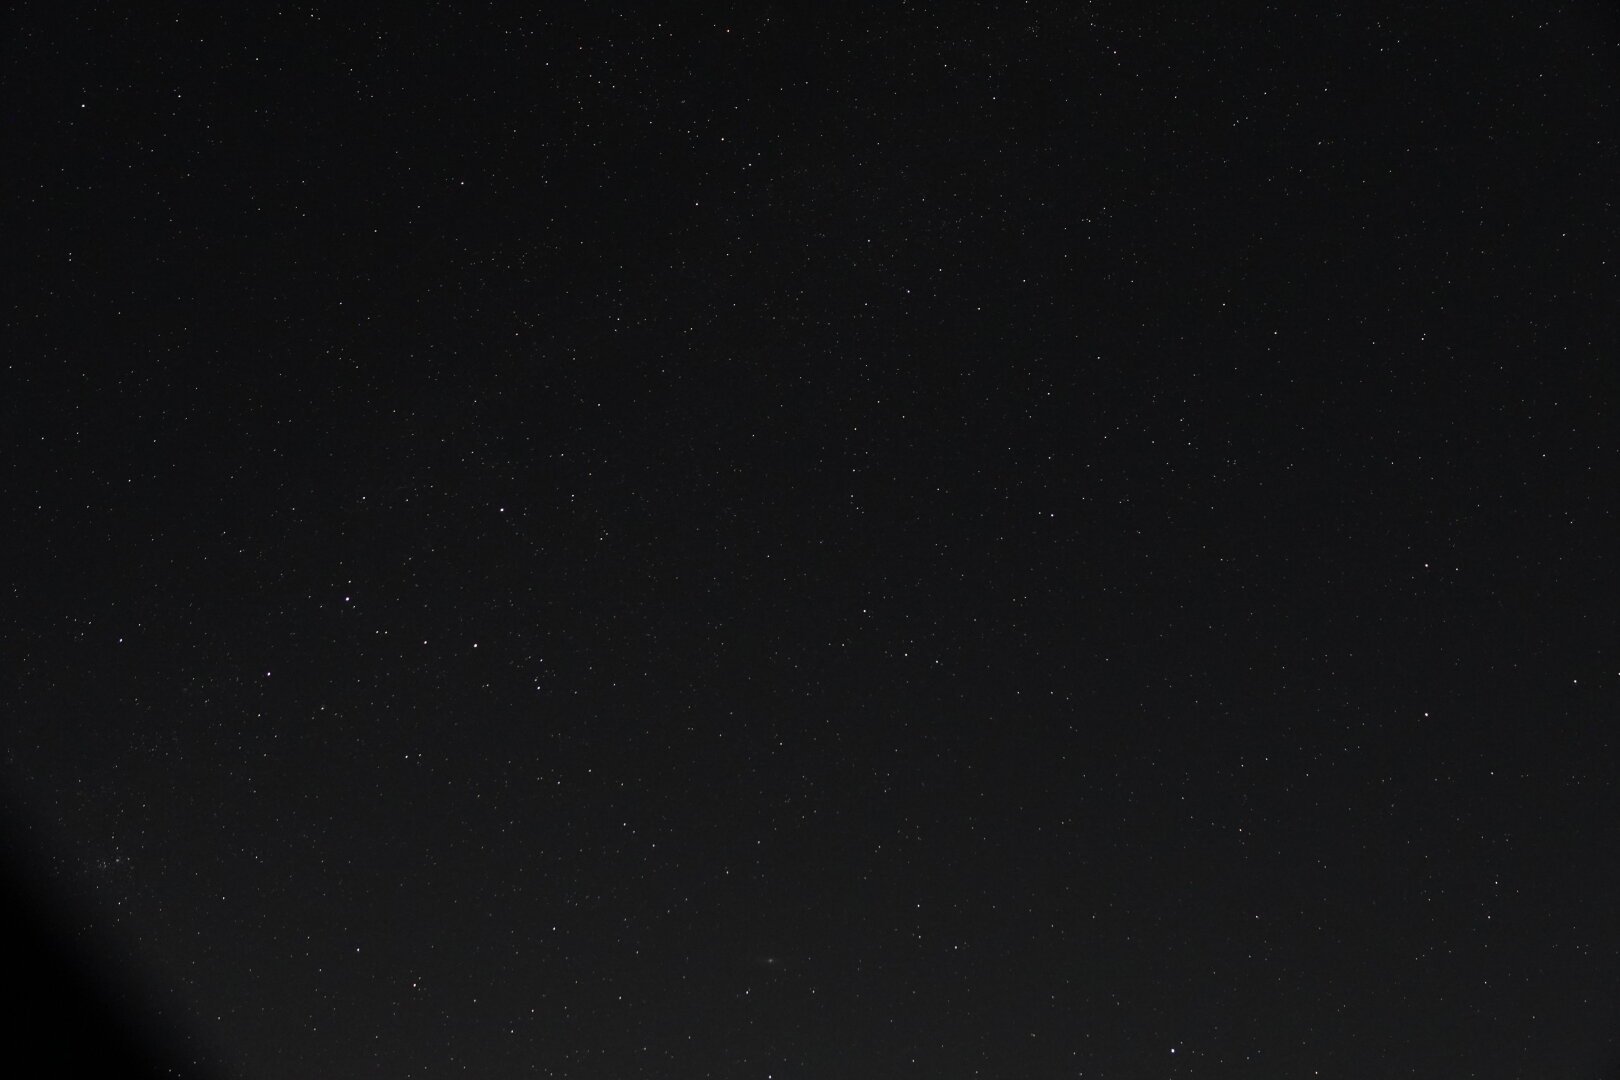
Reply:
x=914, y=540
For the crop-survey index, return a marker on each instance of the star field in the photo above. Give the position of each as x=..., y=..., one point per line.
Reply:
x=944, y=540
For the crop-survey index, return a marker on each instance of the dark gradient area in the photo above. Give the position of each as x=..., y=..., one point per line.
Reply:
x=77, y=1007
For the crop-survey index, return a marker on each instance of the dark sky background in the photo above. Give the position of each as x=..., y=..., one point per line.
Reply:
x=962, y=540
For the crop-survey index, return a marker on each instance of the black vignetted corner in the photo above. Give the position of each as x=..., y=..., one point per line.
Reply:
x=75, y=1009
